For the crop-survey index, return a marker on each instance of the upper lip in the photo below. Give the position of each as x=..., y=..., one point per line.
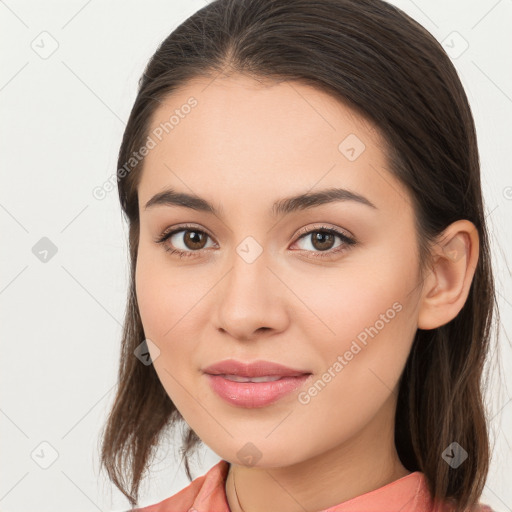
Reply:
x=253, y=369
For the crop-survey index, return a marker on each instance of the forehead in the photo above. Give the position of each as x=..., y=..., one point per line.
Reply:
x=239, y=134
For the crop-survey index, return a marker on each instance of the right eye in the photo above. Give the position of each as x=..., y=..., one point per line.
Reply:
x=192, y=242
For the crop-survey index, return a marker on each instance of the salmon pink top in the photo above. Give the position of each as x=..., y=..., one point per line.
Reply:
x=207, y=494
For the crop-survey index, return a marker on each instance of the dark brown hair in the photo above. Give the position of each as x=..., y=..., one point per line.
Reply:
x=374, y=58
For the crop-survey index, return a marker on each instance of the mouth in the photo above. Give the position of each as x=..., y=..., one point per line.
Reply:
x=255, y=392
x=254, y=384
x=232, y=368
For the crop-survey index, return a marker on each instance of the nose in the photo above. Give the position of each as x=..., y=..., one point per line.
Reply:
x=251, y=300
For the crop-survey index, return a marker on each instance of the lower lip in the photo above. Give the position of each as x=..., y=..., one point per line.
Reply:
x=254, y=394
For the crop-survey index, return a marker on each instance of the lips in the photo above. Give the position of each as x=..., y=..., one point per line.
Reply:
x=233, y=369
x=255, y=384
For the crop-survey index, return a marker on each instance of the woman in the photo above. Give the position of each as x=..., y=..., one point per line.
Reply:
x=310, y=268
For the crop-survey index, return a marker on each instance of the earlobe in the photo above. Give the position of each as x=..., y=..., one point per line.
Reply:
x=446, y=287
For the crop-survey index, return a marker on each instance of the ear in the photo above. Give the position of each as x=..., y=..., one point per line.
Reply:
x=446, y=287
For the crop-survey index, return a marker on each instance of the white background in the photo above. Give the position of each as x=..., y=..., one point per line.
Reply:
x=61, y=126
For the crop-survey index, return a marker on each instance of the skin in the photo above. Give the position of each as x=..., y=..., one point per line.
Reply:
x=245, y=145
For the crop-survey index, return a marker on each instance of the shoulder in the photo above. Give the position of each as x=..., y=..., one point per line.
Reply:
x=448, y=506
x=480, y=507
x=207, y=489
x=424, y=502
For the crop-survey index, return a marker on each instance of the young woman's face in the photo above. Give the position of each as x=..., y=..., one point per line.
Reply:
x=263, y=283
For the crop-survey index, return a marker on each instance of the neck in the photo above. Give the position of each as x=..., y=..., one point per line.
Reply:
x=354, y=468
x=254, y=493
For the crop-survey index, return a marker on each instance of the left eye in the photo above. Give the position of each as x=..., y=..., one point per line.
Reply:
x=194, y=240
x=322, y=239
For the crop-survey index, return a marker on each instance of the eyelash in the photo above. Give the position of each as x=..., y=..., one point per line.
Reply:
x=347, y=241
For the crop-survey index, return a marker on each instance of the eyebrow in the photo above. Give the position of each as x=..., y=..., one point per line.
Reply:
x=170, y=197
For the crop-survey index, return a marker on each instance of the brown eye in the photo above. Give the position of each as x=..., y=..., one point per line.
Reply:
x=184, y=241
x=194, y=240
x=322, y=240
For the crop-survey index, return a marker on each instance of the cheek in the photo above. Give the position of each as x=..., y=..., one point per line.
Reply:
x=151, y=296
x=169, y=303
x=165, y=314
x=368, y=331
x=341, y=303
x=162, y=297
x=364, y=313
